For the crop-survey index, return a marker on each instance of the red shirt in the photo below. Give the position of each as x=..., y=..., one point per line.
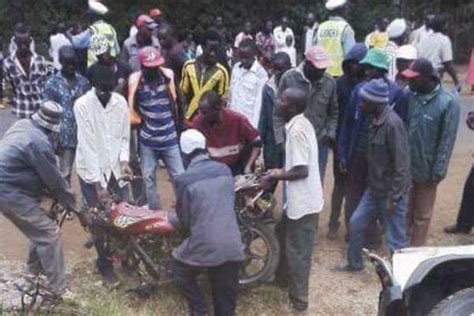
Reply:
x=226, y=141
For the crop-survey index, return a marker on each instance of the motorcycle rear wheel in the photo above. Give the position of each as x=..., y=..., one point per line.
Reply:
x=262, y=255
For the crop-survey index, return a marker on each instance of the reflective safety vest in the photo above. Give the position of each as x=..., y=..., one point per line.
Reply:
x=101, y=27
x=133, y=85
x=330, y=37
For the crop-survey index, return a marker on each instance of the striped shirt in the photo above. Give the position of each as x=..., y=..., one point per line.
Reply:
x=157, y=130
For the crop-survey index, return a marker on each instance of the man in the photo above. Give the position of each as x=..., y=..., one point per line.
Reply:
x=246, y=84
x=207, y=218
x=304, y=196
x=336, y=35
x=397, y=34
x=265, y=44
x=354, y=73
x=173, y=51
x=322, y=109
x=56, y=41
x=27, y=172
x=281, y=33
x=231, y=139
x=64, y=88
x=421, y=33
x=220, y=28
x=99, y=45
x=103, y=148
x=438, y=49
x=406, y=55
x=26, y=73
x=203, y=74
x=432, y=122
x=272, y=153
x=143, y=37
x=353, y=142
x=153, y=96
x=98, y=26
x=465, y=220
x=389, y=174
x=310, y=30
x=245, y=34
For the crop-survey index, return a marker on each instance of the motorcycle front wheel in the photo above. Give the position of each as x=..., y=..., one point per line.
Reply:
x=262, y=254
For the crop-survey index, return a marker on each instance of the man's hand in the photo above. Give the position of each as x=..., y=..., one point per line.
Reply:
x=125, y=170
x=84, y=219
x=267, y=180
x=102, y=193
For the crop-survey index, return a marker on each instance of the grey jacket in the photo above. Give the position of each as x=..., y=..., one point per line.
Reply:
x=205, y=208
x=322, y=109
x=389, y=156
x=28, y=167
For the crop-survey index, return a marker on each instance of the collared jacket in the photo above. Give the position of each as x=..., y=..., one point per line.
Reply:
x=432, y=122
x=354, y=120
x=322, y=109
x=205, y=209
x=28, y=168
x=388, y=158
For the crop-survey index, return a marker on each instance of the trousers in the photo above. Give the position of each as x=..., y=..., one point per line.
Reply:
x=466, y=212
x=224, y=281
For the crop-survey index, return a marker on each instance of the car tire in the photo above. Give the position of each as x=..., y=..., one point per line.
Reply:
x=459, y=303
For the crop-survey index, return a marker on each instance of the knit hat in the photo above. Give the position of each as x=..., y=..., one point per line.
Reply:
x=407, y=52
x=397, y=28
x=192, y=140
x=375, y=91
x=319, y=57
x=376, y=58
x=48, y=116
x=334, y=4
x=99, y=44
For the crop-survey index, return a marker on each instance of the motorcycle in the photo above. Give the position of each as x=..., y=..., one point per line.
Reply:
x=142, y=240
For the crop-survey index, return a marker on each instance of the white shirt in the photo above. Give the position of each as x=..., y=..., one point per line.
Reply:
x=291, y=51
x=103, y=136
x=304, y=196
x=57, y=41
x=309, y=36
x=280, y=37
x=437, y=48
x=420, y=34
x=245, y=94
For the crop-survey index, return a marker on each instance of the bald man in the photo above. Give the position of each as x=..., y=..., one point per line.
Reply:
x=298, y=227
x=173, y=51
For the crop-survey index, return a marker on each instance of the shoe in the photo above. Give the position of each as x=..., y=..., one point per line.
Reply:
x=347, y=268
x=332, y=234
x=455, y=229
x=109, y=277
x=298, y=306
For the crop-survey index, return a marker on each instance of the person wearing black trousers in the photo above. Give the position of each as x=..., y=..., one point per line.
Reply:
x=465, y=220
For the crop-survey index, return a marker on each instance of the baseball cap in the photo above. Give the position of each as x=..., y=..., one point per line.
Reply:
x=150, y=57
x=191, y=140
x=155, y=12
x=319, y=57
x=145, y=20
x=420, y=67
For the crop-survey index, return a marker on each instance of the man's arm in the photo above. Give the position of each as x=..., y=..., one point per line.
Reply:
x=50, y=92
x=81, y=40
x=447, y=59
x=257, y=106
x=44, y=162
x=266, y=113
x=125, y=139
x=447, y=138
x=348, y=39
x=397, y=140
x=449, y=67
x=333, y=116
x=182, y=205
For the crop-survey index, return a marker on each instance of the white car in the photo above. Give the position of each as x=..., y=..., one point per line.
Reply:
x=427, y=281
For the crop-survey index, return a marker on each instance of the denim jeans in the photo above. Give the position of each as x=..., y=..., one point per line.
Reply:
x=370, y=207
x=90, y=199
x=323, y=152
x=149, y=163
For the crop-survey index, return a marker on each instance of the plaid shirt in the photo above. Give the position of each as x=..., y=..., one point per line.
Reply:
x=27, y=90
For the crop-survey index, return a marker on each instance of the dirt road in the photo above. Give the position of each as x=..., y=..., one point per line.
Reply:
x=331, y=294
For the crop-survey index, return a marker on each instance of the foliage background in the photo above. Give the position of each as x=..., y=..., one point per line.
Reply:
x=196, y=15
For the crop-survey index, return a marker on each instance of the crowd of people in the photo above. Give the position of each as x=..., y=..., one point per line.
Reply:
x=207, y=111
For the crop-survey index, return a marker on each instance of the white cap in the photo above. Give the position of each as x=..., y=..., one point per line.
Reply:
x=97, y=7
x=408, y=52
x=191, y=140
x=334, y=4
x=397, y=28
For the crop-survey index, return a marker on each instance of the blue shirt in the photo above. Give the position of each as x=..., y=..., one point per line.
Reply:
x=60, y=91
x=158, y=130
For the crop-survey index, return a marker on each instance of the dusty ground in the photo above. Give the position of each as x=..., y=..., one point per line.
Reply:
x=331, y=293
